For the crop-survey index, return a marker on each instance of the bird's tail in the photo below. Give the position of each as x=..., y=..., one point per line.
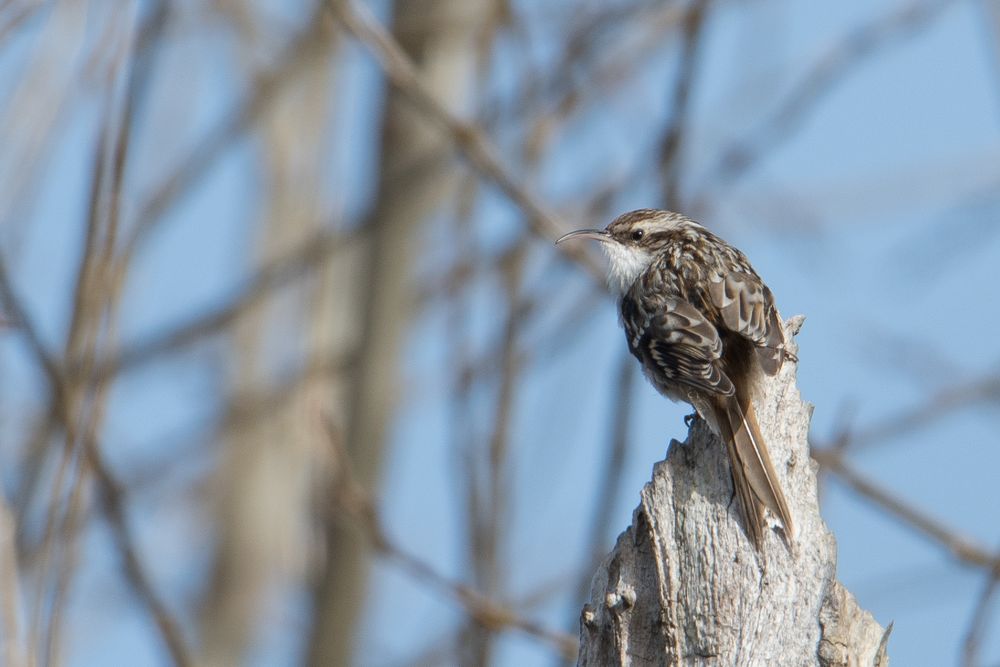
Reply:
x=754, y=478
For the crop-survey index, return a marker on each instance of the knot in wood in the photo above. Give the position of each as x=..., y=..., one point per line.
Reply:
x=619, y=602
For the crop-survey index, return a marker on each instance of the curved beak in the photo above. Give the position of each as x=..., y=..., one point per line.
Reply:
x=595, y=234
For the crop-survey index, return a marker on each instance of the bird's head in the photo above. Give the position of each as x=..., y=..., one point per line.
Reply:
x=632, y=241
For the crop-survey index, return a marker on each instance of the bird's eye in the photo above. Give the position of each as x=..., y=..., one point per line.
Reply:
x=637, y=235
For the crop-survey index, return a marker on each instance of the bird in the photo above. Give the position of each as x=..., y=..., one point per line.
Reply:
x=705, y=328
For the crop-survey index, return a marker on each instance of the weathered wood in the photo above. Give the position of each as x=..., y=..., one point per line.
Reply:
x=684, y=585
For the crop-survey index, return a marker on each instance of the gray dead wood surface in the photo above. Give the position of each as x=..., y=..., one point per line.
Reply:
x=684, y=585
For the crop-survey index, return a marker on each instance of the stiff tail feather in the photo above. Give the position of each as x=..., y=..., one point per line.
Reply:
x=754, y=478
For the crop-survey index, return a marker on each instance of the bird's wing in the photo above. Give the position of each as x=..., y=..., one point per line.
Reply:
x=673, y=338
x=746, y=307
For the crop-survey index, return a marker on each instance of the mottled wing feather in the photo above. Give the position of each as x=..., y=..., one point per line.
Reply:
x=746, y=307
x=772, y=353
x=675, y=339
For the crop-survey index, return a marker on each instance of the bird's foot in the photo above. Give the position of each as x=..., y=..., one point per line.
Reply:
x=689, y=419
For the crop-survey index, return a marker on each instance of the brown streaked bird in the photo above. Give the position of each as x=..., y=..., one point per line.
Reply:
x=704, y=326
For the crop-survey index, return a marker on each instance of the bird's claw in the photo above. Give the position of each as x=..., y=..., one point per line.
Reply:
x=689, y=419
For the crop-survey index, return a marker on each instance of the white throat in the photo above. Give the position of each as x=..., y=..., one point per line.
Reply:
x=627, y=264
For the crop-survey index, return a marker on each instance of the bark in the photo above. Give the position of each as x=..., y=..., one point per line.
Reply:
x=684, y=585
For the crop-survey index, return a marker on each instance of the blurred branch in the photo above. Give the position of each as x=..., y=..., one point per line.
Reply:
x=610, y=487
x=248, y=408
x=489, y=613
x=271, y=277
x=415, y=180
x=545, y=346
x=671, y=144
x=991, y=27
x=191, y=170
x=820, y=78
x=108, y=488
x=95, y=309
x=980, y=618
x=466, y=267
x=355, y=502
x=624, y=390
x=113, y=504
x=936, y=406
x=19, y=15
x=588, y=71
x=11, y=649
x=490, y=509
x=957, y=545
x=469, y=137
x=272, y=463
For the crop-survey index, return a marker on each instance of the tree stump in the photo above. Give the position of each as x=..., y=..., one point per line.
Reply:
x=685, y=586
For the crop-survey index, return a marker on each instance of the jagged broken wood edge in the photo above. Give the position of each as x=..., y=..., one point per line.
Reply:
x=684, y=584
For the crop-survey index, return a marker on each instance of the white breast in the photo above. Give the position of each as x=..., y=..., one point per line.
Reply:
x=627, y=264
